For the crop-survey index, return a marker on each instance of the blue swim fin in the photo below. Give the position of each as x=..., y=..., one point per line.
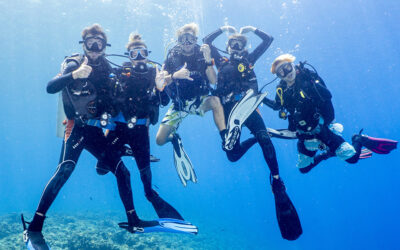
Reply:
x=164, y=225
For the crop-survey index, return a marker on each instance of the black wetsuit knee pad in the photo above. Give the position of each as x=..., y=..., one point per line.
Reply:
x=122, y=170
x=354, y=159
x=66, y=168
x=265, y=142
x=64, y=171
x=232, y=157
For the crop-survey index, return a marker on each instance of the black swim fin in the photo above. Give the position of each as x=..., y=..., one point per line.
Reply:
x=288, y=219
x=165, y=225
x=33, y=240
x=163, y=208
x=376, y=145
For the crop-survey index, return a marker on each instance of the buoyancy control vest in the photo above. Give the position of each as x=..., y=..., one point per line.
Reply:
x=89, y=98
x=235, y=77
x=182, y=90
x=137, y=96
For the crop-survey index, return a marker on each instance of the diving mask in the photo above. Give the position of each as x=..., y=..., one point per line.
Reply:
x=284, y=70
x=95, y=43
x=187, y=39
x=138, y=53
x=236, y=44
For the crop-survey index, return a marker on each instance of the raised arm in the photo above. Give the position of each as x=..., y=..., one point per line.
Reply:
x=59, y=82
x=211, y=37
x=262, y=47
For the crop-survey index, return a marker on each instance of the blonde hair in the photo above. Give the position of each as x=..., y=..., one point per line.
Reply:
x=281, y=58
x=135, y=40
x=94, y=29
x=190, y=27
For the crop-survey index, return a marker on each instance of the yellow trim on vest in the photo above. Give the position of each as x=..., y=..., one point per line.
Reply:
x=241, y=67
x=279, y=92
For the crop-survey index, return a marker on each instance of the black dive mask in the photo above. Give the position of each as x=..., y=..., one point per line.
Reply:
x=284, y=70
x=236, y=44
x=187, y=39
x=95, y=43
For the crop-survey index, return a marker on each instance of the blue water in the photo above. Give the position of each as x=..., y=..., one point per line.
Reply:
x=353, y=45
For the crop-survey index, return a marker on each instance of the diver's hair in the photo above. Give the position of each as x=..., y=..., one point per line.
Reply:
x=190, y=27
x=281, y=58
x=239, y=37
x=94, y=29
x=135, y=40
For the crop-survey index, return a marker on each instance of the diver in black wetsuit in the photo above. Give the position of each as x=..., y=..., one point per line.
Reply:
x=303, y=94
x=138, y=96
x=189, y=72
x=85, y=85
x=235, y=77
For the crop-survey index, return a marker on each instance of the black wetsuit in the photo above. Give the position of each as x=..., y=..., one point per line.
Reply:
x=181, y=90
x=91, y=97
x=137, y=97
x=231, y=83
x=306, y=101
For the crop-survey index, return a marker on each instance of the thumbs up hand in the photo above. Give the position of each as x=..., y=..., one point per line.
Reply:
x=83, y=71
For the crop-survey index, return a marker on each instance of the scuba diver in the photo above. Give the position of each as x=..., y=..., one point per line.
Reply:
x=84, y=82
x=138, y=94
x=304, y=100
x=235, y=78
x=188, y=73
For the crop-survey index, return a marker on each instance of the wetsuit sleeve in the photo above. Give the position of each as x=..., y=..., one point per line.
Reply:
x=266, y=42
x=273, y=104
x=58, y=83
x=214, y=51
